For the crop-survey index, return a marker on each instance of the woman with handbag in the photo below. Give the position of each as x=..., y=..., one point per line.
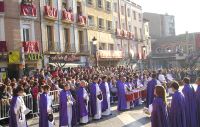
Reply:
x=18, y=109
x=45, y=108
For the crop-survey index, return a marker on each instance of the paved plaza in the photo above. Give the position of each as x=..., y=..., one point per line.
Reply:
x=131, y=118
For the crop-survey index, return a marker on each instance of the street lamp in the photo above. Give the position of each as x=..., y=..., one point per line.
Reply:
x=169, y=51
x=94, y=41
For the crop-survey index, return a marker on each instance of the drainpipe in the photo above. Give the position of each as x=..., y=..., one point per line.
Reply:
x=40, y=21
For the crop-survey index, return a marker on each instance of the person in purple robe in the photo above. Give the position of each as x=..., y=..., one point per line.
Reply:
x=17, y=107
x=150, y=90
x=45, y=109
x=198, y=100
x=82, y=103
x=159, y=116
x=191, y=109
x=95, y=99
x=66, y=110
x=177, y=117
x=122, y=104
x=106, y=96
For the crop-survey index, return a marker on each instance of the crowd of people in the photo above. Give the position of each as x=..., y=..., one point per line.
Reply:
x=86, y=92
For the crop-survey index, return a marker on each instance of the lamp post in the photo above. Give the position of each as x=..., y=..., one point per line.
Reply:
x=94, y=41
x=169, y=51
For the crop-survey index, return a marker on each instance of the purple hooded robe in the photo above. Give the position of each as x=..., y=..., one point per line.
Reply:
x=190, y=110
x=177, y=116
x=93, y=99
x=198, y=104
x=43, y=120
x=104, y=102
x=159, y=116
x=122, y=104
x=81, y=106
x=150, y=92
x=13, y=119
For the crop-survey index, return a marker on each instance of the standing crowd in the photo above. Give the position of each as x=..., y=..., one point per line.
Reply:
x=87, y=93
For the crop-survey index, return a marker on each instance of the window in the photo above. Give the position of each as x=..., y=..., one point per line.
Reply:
x=50, y=38
x=91, y=20
x=26, y=34
x=100, y=4
x=122, y=10
x=110, y=47
x=67, y=38
x=108, y=6
x=129, y=28
x=48, y=2
x=102, y=46
x=136, y=35
x=116, y=24
x=123, y=26
x=134, y=15
x=140, y=17
x=100, y=23
x=128, y=11
x=90, y=2
x=141, y=34
x=109, y=25
x=115, y=7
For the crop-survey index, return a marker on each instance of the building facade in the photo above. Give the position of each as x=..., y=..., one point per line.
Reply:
x=160, y=25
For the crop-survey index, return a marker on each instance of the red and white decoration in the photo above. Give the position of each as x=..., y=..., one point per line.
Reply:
x=67, y=16
x=28, y=10
x=3, y=46
x=82, y=20
x=50, y=12
x=31, y=47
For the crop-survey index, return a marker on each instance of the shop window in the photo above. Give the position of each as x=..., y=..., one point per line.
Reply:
x=50, y=38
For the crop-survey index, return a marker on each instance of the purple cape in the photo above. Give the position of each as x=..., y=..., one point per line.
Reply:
x=177, y=116
x=104, y=102
x=81, y=106
x=121, y=96
x=93, y=99
x=12, y=119
x=150, y=92
x=191, y=115
x=43, y=120
x=159, y=116
x=63, y=108
x=198, y=104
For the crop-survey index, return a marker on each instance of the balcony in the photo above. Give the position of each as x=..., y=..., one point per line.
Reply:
x=31, y=46
x=124, y=33
x=50, y=13
x=3, y=46
x=118, y=33
x=67, y=17
x=28, y=10
x=1, y=7
x=130, y=35
x=110, y=54
x=82, y=20
x=83, y=48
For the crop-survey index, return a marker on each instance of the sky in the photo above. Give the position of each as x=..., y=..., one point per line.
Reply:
x=186, y=12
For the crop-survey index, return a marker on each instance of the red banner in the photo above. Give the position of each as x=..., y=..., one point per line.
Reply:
x=28, y=10
x=31, y=46
x=82, y=20
x=1, y=6
x=68, y=16
x=197, y=39
x=50, y=11
x=3, y=47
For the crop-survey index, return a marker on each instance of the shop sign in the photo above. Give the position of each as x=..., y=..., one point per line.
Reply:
x=14, y=57
x=63, y=58
x=34, y=57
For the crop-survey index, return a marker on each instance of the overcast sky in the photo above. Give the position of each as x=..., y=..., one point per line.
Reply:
x=186, y=12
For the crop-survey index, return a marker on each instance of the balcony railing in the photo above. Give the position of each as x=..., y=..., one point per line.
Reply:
x=118, y=33
x=67, y=16
x=1, y=6
x=31, y=46
x=50, y=12
x=28, y=10
x=110, y=54
x=130, y=35
x=124, y=33
x=82, y=20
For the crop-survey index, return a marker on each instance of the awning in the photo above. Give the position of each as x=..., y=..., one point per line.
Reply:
x=66, y=65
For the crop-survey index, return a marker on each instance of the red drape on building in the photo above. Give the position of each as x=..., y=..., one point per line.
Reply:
x=3, y=47
x=1, y=6
x=31, y=46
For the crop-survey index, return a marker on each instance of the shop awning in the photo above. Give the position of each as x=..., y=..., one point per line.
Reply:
x=66, y=65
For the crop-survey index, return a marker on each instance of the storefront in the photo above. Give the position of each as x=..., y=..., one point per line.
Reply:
x=3, y=60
